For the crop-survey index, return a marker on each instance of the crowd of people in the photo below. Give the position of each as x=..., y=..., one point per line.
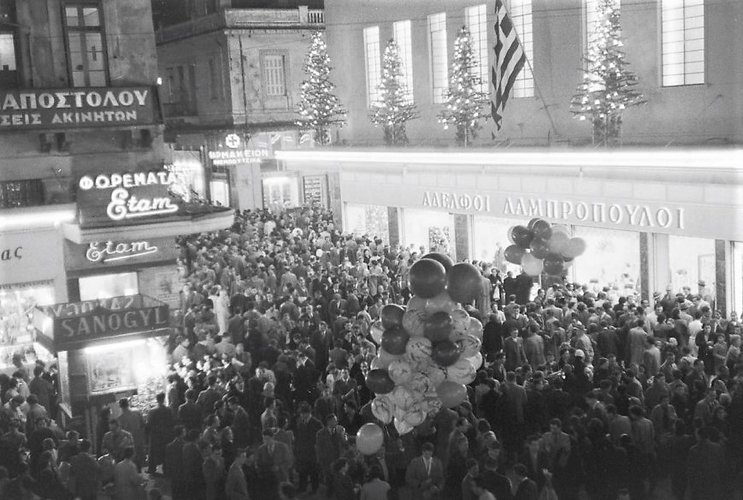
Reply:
x=581, y=395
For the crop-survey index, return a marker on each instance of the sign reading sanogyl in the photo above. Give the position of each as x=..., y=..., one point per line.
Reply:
x=125, y=198
x=76, y=108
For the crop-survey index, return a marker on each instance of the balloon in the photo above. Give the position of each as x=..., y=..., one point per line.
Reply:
x=416, y=303
x=391, y=315
x=522, y=236
x=416, y=415
x=461, y=320
x=470, y=345
x=402, y=397
x=568, y=263
x=418, y=349
x=553, y=264
x=435, y=373
x=445, y=352
x=513, y=254
x=441, y=302
x=542, y=229
x=427, y=278
x=539, y=248
x=451, y=393
x=441, y=258
x=402, y=426
x=574, y=248
x=369, y=439
x=376, y=331
x=531, y=265
x=414, y=323
x=420, y=384
x=509, y=234
x=394, y=340
x=475, y=328
x=379, y=382
x=381, y=408
x=475, y=361
x=400, y=371
x=438, y=326
x=461, y=372
x=558, y=242
x=464, y=283
x=533, y=222
x=384, y=359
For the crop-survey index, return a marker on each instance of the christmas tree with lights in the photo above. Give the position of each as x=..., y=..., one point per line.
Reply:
x=464, y=102
x=318, y=107
x=608, y=88
x=395, y=107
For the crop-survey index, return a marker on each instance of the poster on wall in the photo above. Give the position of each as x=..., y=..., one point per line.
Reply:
x=439, y=240
x=111, y=371
x=313, y=190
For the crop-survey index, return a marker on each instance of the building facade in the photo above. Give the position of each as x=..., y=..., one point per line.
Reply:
x=645, y=212
x=87, y=206
x=231, y=75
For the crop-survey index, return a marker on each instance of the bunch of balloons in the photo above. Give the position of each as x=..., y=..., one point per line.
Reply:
x=429, y=350
x=541, y=247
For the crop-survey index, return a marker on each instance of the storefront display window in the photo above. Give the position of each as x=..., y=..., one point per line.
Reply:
x=491, y=238
x=220, y=191
x=691, y=260
x=17, y=334
x=737, y=287
x=611, y=259
x=280, y=193
x=430, y=230
x=104, y=286
x=370, y=220
x=189, y=174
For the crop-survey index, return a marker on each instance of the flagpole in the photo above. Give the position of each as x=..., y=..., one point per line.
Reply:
x=536, y=87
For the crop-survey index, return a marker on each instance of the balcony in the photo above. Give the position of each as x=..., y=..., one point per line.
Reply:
x=300, y=18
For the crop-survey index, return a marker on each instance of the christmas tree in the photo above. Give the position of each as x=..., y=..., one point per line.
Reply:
x=318, y=107
x=608, y=88
x=463, y=106
x=394, y=107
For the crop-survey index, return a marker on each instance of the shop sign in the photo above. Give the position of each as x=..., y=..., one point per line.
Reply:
x=82, y=322
x=126, y=198
x=27, y=256
x=454, y=201
x=113, y=253
x=76, y=108
x=11, y=254
x=232, y=150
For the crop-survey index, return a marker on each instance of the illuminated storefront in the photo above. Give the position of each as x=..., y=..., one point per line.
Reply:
x=649, y=220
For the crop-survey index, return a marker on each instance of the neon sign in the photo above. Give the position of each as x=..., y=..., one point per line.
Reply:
x=111, y=251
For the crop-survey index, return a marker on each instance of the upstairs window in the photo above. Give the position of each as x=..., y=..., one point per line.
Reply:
x=274, y=75
x=682, y=32
x=523, y=86
x=373, y=60
x=402, y=36
x=439, y=59
x=86, y=53
x=477, y=24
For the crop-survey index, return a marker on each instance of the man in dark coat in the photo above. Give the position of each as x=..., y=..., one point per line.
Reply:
x=705, y=467
x=425, y=475
x=330, y=443
x=173, y=465
x=193, y=475
x=160, y=423
x=526, y=488
x=305, y=434
x=84, y=474
x=189, y=413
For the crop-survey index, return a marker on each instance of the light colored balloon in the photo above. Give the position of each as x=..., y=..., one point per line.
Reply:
x=461, y=320
x=382, y=409
x=461, y=372
x=384, y=358
x=475, y=361
x=413, y=321
x=418, y=349
x=376, y=331
x=475, y=328
x=531, y=265
x=369, y=439
x=451, y=393
x=402, y=397
x=402, y=427
x=470, y=345
x=400, y=371
x=558, y=241
x=441, y=302
x=420, y=384
x=435, y=373
x=416, y=415
x=417, y=304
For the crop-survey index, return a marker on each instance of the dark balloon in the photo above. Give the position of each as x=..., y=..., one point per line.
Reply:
x=394, y=340
x=522, y=236
x=445, y=353
x=464, y=283
x=514, y=254
x=379, y=382
x=442, y=258
x=539, y=248
x=391, y=315
x=533, y=222
x=542, y=229
x=574, y=247
x=427, y=278
x=438, y=326
x=553, y=264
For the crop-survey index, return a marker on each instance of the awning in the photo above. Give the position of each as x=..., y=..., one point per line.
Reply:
x=75, y=325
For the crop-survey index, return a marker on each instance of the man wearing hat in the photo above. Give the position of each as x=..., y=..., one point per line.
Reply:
x=274, y=460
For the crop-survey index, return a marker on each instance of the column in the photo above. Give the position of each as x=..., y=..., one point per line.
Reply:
x=721, y=274
x=659, y=267
x=393, y=221
x=645, y=292
x=248, y=188
x=461, y=237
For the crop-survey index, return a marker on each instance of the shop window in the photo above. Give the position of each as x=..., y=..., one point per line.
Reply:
x=429, y=230
x=85, y=48
x=17, y=332
x=737, y=288
x=104, y=286
x=611, y=259
x=477, y=24
x=691, y=260
x=280, y=193
x=219, y=187
x=369, y=220
x=490, y=239
x=27, y=193
x=8, y=61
